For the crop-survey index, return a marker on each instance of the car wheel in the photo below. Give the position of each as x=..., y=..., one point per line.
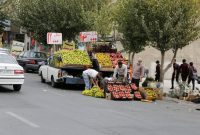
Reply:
x=17, y=87
x=25, y=69
x=42, y=79
x=53, y=83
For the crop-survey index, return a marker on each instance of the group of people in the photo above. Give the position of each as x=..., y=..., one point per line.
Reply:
x=93, y=77
x=187, y=72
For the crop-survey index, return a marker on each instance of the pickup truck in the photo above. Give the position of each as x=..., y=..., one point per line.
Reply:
x=67, y=74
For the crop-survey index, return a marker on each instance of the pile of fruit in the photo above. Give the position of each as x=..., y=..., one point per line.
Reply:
x=104, y=59
x=150, y=93
x=94, y=92
x=115, y=57
x=120, y=91
x=71, y=57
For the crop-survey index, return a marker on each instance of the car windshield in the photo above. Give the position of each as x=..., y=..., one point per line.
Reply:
x=5, y=58
x=37, y=55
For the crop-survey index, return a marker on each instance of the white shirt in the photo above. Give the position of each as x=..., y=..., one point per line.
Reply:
x=90, y=72
x=120, y=71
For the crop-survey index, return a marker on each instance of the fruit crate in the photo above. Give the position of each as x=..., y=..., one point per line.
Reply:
x=120, y=91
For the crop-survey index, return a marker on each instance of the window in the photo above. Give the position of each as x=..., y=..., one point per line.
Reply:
x=38, y=55
x=5, y=58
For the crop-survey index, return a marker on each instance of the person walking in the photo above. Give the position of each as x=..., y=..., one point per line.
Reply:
x=174, y=73
x=184, y=71
x=192, y=75
x=157, y=76
x=138, y=72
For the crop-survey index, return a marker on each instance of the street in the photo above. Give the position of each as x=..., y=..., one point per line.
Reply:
x=39, y=109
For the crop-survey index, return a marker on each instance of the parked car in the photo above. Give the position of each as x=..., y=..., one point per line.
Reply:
x=4, y=50
x=31, y=60
x=11, y=73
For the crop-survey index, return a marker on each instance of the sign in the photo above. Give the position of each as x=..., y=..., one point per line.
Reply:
x=17, y=48
x=88, y=36
x=54, y=38
x=68, y=45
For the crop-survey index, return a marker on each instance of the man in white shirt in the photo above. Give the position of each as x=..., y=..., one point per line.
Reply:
x=121, y=71
x=90, y=75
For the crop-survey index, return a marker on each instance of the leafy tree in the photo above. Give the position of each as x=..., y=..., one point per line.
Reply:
x=128, y=15
x=2, y=20
x=65, y=16
x=170, y=25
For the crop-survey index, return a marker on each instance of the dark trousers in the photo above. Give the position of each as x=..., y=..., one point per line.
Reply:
x=184, y=77
x=173, y=78
x=157, y=77
x=193, y=82
x=136, y=82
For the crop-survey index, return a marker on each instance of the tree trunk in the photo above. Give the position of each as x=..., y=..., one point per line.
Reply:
x=162, y=74
x=132, y=57
x=169, y=66
x=129, y=58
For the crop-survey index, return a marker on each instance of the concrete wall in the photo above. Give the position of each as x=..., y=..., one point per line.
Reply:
x=191, y=53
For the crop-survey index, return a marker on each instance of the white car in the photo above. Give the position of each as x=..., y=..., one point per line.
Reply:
x=11, y=73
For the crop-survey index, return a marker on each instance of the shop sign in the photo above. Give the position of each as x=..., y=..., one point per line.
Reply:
x=54, y=38
x=88, y=36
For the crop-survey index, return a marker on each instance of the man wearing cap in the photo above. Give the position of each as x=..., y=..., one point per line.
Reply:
x=138, y=72
x=121, y=71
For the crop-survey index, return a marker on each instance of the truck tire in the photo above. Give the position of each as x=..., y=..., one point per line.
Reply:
x=17, y=87
x=42, y=79
x=53, y=83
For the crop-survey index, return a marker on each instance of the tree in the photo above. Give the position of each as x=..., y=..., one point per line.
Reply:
x=170, y=25
x=99, y=16
x=2, y=20
x=128, y=15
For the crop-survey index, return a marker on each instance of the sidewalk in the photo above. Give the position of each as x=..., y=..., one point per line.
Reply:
x=167, y=85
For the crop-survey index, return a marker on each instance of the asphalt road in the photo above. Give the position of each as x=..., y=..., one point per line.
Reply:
x=39, y=109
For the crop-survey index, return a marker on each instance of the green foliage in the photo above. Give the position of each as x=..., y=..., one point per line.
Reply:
x=2, y=19
x=128, y=15
x=99, y=18
x=165, y=24
x=171, y=24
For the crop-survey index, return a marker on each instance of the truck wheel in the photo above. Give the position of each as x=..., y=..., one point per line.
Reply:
x=42, y=79
x=53, y=83
x=17, y=87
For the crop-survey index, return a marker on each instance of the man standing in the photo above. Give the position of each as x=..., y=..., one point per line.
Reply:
x=192, y=75
x=157, y=78
x=184, y=70
x=121, y=71
x=138, y=72
x=175, y=73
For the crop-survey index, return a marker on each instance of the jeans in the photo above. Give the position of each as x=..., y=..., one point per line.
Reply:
x=87, y=81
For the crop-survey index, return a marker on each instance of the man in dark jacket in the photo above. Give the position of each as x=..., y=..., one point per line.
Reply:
x=175, y=73
x=157, y=76
x=184, y=70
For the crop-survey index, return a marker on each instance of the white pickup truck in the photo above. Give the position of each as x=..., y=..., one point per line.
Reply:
x=67, y=75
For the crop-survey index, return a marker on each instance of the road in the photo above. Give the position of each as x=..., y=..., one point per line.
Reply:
x=39, y=109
